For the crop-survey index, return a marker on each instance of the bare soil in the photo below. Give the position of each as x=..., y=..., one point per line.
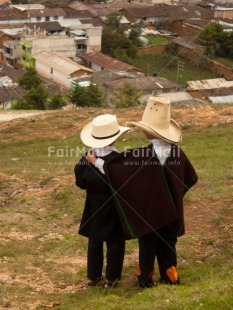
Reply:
x=39, y=281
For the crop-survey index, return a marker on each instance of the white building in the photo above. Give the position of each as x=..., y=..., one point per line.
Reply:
x=59, y=69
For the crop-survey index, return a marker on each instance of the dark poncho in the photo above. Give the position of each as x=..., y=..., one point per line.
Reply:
x=148, y=195
x=100, y=219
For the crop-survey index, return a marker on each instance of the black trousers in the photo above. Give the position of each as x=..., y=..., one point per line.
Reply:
x=160, y=245
x=114, y=259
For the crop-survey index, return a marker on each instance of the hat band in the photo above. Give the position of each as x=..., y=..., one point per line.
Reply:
x=107, y=137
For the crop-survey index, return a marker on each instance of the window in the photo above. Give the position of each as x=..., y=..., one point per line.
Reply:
x=55, y=18
x=51, y=70
x=38, y=19
x=47, y=18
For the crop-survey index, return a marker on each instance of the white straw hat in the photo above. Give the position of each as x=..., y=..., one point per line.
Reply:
x=102, y=131
x=156, y=120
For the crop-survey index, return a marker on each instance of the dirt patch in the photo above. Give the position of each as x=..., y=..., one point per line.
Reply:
x=9, y=116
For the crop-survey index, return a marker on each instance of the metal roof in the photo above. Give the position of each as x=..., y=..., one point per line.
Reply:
x=177, y=96
x=60, y=63
x=209, y=84
x=222, y=99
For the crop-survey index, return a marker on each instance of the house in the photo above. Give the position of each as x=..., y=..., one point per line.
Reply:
x=98, y=61
x=209, y=84
x=179, y=98
x=46, y=15
x=101, y=10
x=222, y=10
x=82, y=40
x=147, y=85
x=10, y=91
x=78, y=14
x=11, y=52
x=59, y=69
x=25, y=7
x=14, y=16
x=3, y=38
x=212, y=90
x=185, y=45
x=149, y=14
x=37, y=42
x=49, y=27
x=9, y=95
x=218, y=95
x=168, y=17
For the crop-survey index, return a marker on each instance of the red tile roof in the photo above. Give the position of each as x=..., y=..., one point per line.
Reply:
x=108, y=62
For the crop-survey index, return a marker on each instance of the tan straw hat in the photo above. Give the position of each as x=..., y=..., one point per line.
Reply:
x=156, y=120
x=102, y=131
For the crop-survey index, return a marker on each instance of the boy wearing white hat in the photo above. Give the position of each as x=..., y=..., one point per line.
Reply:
x=100, y=222
x=149, y=185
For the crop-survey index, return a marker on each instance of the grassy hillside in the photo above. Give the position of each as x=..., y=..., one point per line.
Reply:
x=43, y=260
x=166, y=65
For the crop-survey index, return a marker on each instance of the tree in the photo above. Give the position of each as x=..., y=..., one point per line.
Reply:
x=56, y=102
x=135, y=33
x=116, y=41
x=96, y=96
x=89, y=96
x=35, y=98
x=79, y=97
x=210, y=38
x=30, y=79
x=127, y=96
x=113, y=21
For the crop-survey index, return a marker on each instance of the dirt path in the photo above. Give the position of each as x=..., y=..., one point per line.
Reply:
x=8, y=116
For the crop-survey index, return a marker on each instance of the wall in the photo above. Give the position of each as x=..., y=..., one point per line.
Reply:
x=223, y=14
x=63, y=46
x=94, y=39
x=205, y=62
x=4, y=38
x=155, y=49
x=183, y=29
x=55, y=76
x=95, y=67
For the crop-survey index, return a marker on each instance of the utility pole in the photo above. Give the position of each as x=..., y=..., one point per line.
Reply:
x=180, y=68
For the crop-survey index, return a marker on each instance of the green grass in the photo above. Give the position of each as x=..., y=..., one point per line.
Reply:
x=165, y=65
x=225, y=61
x=153, y=39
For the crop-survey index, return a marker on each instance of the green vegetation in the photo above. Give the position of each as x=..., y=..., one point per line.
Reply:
x=87, y=96
x=154, y=39
x=165, y=65
x=126, y=96
x=216, y=41
x=115, y=41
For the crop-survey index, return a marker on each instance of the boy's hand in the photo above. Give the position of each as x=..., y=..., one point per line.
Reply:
x=91, y=158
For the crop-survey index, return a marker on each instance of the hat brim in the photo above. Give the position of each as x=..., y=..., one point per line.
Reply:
x=172, y=134
x=88, y=140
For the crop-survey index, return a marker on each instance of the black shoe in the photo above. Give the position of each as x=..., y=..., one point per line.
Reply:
x=94, y=282
x=148, y=284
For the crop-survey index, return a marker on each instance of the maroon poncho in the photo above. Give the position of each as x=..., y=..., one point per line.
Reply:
x=149, y=195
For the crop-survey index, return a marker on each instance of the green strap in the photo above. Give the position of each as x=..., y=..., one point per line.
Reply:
x=123, y=213
x=191, y=180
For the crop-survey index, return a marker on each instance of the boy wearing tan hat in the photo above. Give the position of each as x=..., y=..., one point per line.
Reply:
x=100, y=222
x=149, y=185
